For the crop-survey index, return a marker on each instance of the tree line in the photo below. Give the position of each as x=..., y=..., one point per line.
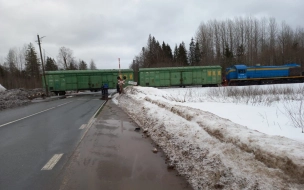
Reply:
x=22, y=67
x=248, y=41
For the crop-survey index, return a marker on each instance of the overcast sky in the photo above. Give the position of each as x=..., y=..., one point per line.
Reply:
x=107, y=30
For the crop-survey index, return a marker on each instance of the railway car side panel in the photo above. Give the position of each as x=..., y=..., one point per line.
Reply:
x=96, y=81
x=151, y=78
x=186, y=78
x=164, y=77
x=204, y=77
x=214, y=72
x=155, y=79
x=55, y=84
x=209, y=77
x=83, y=82
x=175, y=78
x=219, y=76
x=70, y=81
x=142, y=78
x=267, y=72
x=197, y=77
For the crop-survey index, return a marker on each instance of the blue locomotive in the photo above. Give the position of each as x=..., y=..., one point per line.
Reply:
x=256, y=75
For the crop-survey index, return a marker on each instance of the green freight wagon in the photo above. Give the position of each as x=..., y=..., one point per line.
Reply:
x=180, y=76
x=61, y=81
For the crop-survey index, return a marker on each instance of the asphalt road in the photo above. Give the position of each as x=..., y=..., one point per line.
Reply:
x=37, y=140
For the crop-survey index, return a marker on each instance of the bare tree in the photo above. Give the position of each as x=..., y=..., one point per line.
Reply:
x=285, y=42
x=21, y=57
x=11, y=60
x=65, y=57
x=272, y=40
x=92, y=65
x=242, y=40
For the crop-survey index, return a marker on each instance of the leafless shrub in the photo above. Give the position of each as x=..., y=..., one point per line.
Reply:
x=174, y=98
x=295, y=114
x=257, y=95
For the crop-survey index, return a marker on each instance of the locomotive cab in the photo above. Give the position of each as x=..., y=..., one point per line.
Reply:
x=241, y=71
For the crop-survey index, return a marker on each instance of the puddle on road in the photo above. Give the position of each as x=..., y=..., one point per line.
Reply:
x=115, y=128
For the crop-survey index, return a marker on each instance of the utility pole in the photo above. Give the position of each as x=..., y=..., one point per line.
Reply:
x=46, y=86
x=119, y=68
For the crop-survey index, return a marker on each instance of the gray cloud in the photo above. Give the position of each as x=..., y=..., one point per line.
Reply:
x=106, y=30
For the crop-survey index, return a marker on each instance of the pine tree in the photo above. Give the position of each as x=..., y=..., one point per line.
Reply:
x=32, y=65
x=228, y=54
x=191, y=54
x=164, y=52
x=169, y=52
x=175, y=54
x=149, y=52
x=182, y=55
x=240, y=53
x=82, y=65
x=50, y=64
x=197, y=55
x=73, y=64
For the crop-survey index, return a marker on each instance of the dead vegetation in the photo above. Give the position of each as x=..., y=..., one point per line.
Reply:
x=19, y=97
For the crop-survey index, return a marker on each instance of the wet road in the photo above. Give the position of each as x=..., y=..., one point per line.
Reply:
x=114, y=156
x=37, y=140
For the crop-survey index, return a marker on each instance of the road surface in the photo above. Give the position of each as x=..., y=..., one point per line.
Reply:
x=37, y=140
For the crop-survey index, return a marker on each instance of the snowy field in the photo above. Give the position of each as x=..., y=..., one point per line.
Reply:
x=226, y=137
x=268, y=115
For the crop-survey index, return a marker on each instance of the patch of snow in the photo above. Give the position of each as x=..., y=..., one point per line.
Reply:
x=2, y=88
x=217, y=144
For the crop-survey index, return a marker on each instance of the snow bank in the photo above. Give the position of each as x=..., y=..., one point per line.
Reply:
x=212, y=152
x=2, y=88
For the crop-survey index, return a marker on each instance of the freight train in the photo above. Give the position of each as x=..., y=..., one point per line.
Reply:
x=180, y=76
x=257, y=75
x=61, y=81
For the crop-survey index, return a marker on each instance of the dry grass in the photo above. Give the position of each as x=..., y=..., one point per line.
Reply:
x=266, y=95
x=253, y=95
x=295, y=114
x=256, y=95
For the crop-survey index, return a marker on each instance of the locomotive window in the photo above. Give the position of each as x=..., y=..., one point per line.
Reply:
x=242, y=71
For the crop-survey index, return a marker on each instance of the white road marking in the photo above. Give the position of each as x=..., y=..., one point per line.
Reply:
x=83, y=126
x=64, y=104
x=34, y=114
x=91, y=122
x=87, y=99
x=52, y=162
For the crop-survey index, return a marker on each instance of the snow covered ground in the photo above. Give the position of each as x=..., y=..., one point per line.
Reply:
x=227, y=137
x=2, y=88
